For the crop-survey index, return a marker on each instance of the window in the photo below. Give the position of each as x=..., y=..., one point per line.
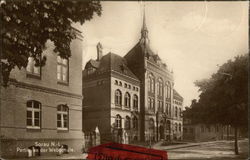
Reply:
x=151, y=104
x=90, y=70
x=160, y=106
x=168, y=125
x=127, y=100
x=169, y=109
x=151, y=84
x=168, y=94
x=185, y=130
x=120, y=83
x=160, y=87
x=176, y=127
x=125, y=85
x=208, y=128
x=33, y=114
x=166, y=108
x=62, y=117
x=118, y=121
x=179, y=127
x=176, y=112
x=127, y=122
x=135, y=102
x=129, y=86
x=202, y=129
x=135, y=122
x=151, y=123
x=180, y=114
x=118, y=97
x=116, y=82
x=62, y=69
x=32, y=68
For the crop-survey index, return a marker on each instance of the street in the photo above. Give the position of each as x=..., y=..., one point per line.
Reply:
x=220, y=150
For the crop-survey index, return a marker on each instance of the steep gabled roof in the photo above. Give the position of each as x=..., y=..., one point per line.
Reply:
x=111, y=62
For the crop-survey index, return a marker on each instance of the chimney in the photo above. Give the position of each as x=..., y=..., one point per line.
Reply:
x=99, y=51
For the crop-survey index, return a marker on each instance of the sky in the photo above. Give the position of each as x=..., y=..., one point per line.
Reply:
x=192, y=38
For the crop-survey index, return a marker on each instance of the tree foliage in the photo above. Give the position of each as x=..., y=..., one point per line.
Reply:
x=224, y=96
x=28, y=24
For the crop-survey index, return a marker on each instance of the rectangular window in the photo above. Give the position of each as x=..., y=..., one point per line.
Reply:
x=62, y=117
x=62, y=69
x=33, y=117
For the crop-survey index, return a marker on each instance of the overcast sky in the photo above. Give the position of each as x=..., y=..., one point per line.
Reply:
x=191, y=37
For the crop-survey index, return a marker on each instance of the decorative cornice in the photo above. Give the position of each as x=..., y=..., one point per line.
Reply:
x=44, y=89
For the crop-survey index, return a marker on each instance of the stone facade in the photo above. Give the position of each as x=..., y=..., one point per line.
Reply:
x=32, y=119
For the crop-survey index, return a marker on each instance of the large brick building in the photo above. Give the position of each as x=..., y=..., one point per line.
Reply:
x=111, y=98
x=110, y=85
x=41, y=109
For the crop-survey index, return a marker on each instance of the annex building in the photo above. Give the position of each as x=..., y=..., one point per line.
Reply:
x=131, y=98
x=41, y=109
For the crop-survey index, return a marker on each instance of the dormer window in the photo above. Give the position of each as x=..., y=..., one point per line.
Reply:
x=90, y=70
x=32, y=68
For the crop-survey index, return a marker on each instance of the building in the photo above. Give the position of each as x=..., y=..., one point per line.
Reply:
x=112, y=76
x=111, y=99
x=41, y=109
x=177, y=118
x=202, y=132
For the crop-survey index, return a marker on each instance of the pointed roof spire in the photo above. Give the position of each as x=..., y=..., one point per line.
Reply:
x=144, y=27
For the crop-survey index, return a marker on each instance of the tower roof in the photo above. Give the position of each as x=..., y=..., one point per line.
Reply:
x=144, y=26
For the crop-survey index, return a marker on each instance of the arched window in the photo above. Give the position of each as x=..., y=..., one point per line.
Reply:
x=127, y=100
x=118, y=121
x=168, y=92
x=160, y=87
x=151, y=123
x=127, y=122
x=33, y=114
x=118, y=97
x=151, y=83
x=135, y=122
x=176, y=127
x=168, y=125
x=160, y=106
x=135, y=102
x=62, y=117
x=179, y=127
x=176, y=112
x=116, y=82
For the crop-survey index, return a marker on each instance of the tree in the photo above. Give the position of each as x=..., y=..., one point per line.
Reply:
x=28, y=24
x=224, y=97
